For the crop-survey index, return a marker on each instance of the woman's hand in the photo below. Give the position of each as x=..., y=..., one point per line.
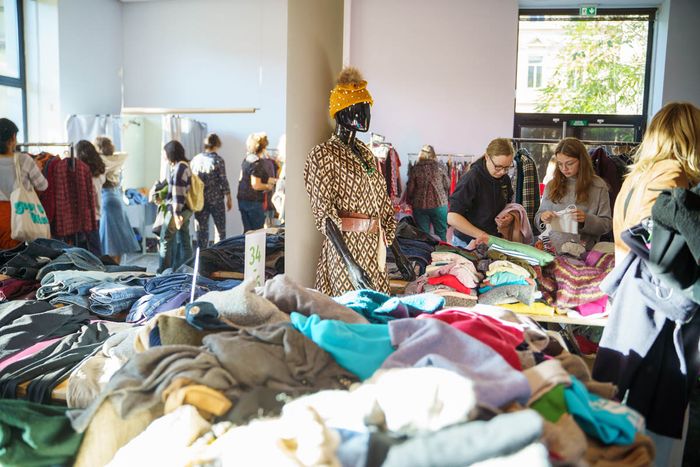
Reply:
x=547, y=217
x=483, y=237
x=579, y=216
x=229, y=202
x=504, y=221
x=178, y=221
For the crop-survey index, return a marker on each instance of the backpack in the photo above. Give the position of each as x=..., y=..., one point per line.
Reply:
x=194, y=198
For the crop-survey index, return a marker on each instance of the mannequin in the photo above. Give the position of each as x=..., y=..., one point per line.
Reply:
x=349, y=199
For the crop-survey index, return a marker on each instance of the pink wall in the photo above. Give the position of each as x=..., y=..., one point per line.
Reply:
x=441, y=72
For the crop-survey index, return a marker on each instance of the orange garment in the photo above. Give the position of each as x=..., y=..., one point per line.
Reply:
x=6, y=240
x=663, y=175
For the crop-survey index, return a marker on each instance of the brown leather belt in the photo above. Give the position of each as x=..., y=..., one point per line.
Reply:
x=358, y=222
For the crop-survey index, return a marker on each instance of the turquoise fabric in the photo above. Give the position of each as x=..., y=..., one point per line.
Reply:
x=380, y=308
x=506, y=278
x=359, y=348
x=503, y=278
x=604, y=419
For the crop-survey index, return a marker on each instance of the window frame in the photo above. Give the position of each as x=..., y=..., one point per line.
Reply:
x=553, y=120
x=21, y=82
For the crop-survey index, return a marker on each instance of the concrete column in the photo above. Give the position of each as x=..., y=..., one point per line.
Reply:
x=314, y=58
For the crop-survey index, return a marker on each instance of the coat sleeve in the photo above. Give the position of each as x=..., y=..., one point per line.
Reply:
x=599, y=218
x=318, y=181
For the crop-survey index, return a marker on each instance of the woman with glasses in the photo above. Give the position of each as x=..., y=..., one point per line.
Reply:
x=576, y=185
x=481, y=195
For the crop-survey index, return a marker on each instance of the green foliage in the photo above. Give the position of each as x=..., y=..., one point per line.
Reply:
x=600, y=69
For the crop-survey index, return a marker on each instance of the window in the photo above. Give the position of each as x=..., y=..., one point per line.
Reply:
x=12, y=81
x=582, y=76
x=534, y=72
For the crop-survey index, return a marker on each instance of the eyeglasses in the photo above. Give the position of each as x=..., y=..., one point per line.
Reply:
x=500, y=168
x=567, y=165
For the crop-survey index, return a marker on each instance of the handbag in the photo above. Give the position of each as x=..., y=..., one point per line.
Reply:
x=28, y=218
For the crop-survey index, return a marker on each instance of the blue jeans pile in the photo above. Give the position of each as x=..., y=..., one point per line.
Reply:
x=104, y=293
x=171, y=291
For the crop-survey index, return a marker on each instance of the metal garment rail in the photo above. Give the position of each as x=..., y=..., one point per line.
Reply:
x=457, y=157
x=588, y=142
x=178, y=111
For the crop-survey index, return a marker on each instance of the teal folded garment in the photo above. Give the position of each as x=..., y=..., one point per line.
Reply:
x=359, y=348
x=528, y=253
x=506, y=278
x=35, y=434
x=380, y=308
x=603, y=419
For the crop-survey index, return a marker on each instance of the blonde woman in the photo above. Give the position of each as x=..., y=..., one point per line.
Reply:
x=253, y=182
x=427, y=191
x=481, y=195
x=669, y=157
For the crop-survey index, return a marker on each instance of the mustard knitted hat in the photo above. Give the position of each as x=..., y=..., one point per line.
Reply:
x=350, y=89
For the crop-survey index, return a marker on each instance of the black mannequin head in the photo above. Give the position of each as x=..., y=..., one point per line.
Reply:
x=354, y=118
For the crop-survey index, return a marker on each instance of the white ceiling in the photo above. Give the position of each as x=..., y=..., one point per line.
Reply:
x=599, y=3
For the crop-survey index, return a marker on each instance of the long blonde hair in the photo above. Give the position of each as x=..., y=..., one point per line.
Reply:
x=674, y=133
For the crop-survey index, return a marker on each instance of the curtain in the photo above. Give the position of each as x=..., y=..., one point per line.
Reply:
x=88, y=127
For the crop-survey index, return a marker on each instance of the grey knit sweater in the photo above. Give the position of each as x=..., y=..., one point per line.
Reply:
x=597, y=208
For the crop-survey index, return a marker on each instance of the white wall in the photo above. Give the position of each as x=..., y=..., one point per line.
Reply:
x=315, y=56
x=210, y=53
x=440, y=72
x=90, y=54
x=682, y=69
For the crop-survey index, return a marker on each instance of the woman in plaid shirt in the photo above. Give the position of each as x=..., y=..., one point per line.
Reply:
x=175, y=242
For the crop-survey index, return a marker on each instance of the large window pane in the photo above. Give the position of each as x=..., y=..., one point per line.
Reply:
x=9, y=39
x=11, y=107
x=582, y=66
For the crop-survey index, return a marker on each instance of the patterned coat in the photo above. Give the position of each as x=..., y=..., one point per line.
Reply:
x=337, y=180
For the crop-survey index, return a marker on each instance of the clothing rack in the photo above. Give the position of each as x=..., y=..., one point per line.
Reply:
x=517, y=142
x=69, y=145
x=178, y=111
x=413, y=156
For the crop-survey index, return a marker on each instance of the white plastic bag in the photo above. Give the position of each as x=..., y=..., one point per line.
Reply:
x=564, y=220
x=28, y=220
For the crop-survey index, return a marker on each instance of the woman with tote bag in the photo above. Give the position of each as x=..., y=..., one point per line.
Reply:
x=22, y=216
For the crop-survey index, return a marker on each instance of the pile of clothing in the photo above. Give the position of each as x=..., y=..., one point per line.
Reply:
x=451, y=275
x=507, y=282
x=574, y=285
x=229, y=255
x=416, y=246
x=488, y=387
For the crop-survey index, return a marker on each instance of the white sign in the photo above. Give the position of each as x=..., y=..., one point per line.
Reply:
x=255, y=257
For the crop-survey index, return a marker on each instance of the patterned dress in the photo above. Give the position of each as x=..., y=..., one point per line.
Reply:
x=336, y=180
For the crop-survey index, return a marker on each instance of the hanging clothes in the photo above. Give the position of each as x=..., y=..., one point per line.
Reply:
x=69, y=201
x=608, y=170
x=526, y=186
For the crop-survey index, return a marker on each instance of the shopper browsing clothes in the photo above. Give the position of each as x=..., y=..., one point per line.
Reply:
x=211, y=168
x=29, y=172
x=175, y=242
x=669, y=157
x=116, y=235
x=427, y=191
x=85, y=151
x=577, y=195
x=481, y=195
x=253, y=182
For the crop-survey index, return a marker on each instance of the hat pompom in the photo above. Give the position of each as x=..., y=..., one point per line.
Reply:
x=350, y=76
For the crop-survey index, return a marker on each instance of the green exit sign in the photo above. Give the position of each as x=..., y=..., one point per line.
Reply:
x=578, y=122
x=588, y=11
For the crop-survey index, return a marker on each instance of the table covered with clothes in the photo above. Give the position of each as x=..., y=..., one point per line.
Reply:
x=285, y=375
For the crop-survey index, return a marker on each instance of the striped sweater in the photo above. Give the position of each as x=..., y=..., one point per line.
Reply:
x=178, y=183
